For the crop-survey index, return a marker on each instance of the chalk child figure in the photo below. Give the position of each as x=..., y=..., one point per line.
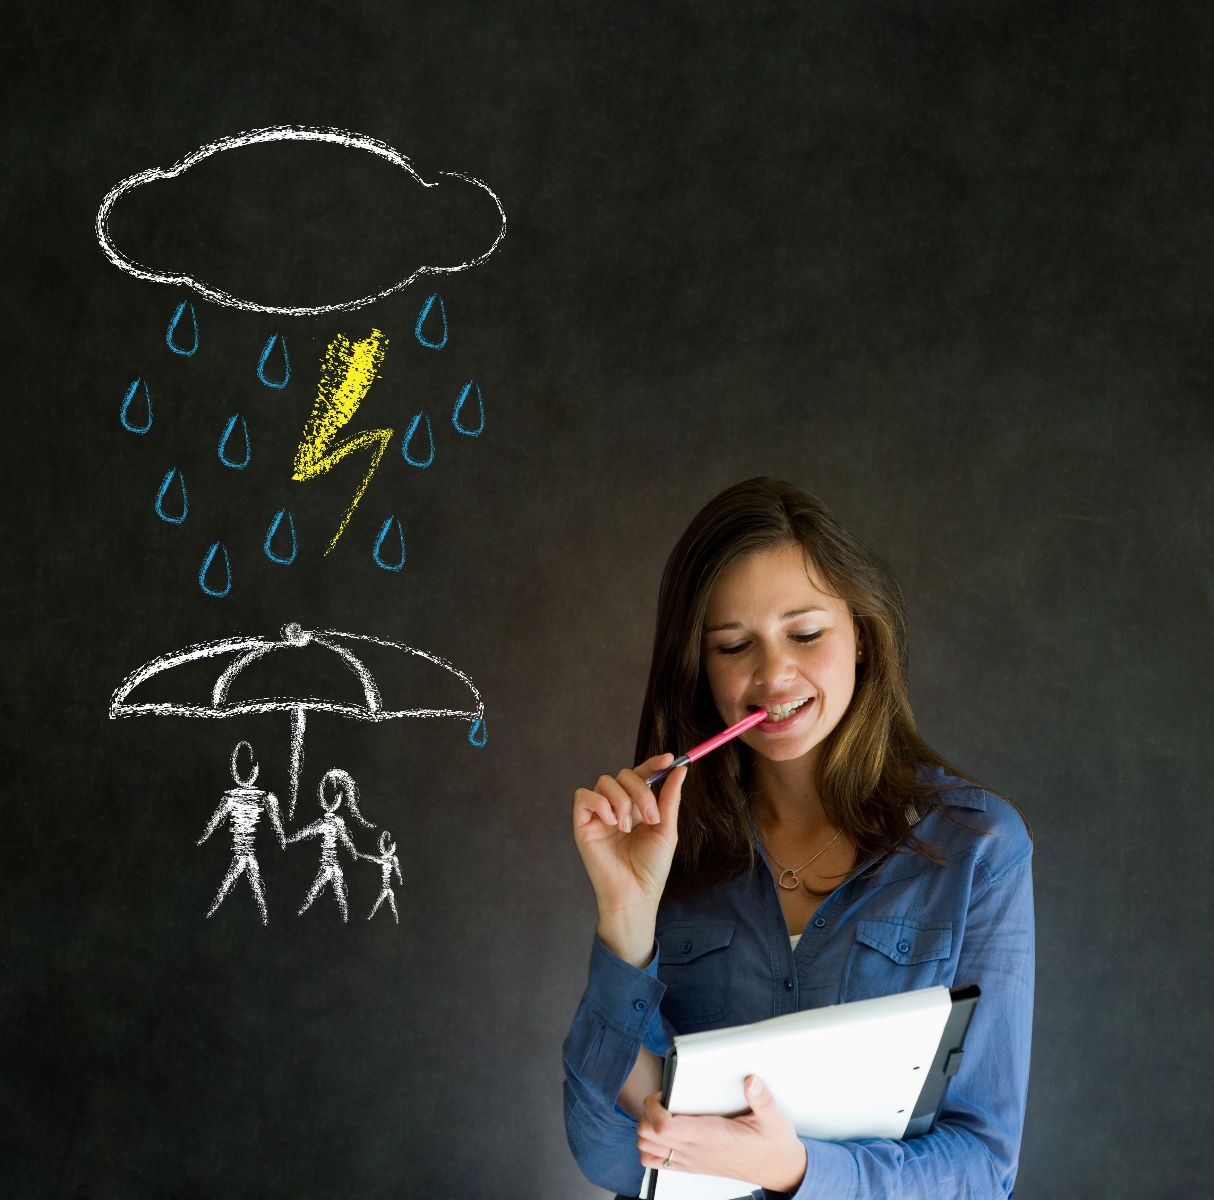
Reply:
x=331, y=829
x=388, y=862
x=243, y=806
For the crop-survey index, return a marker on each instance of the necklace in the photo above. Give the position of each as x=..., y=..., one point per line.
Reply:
x=796, y=883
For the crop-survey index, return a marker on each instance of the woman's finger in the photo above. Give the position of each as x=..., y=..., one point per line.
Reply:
x=655, y=1117
x=651, y=1145
x=669, y=796
x=655, y=763
x=620, y=800
x=645, y=801
x=587, y=805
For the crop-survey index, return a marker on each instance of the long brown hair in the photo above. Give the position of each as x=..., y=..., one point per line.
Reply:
x=867, y=773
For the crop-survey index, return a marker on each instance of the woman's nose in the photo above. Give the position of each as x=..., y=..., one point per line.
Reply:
x=773, y=667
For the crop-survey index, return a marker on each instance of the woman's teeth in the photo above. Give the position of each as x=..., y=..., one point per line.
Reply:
x=781, y=712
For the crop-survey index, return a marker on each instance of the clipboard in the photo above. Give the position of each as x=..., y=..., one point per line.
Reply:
x=869, y=1068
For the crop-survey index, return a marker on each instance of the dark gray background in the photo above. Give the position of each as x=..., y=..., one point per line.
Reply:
x=946, y=265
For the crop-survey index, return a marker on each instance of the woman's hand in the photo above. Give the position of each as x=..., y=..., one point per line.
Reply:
x=760, y=1146
x=626, y=837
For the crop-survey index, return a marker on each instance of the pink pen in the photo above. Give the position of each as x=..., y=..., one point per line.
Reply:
x=707, y=747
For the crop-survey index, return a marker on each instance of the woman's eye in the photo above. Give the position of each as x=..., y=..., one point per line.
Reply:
x=734, y=649
x=807, y=637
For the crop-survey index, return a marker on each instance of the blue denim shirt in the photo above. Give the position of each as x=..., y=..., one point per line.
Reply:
x=724, y=958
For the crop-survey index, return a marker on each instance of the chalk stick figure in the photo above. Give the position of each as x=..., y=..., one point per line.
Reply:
x=388, y=862
x=331, y=829
x=243, y=805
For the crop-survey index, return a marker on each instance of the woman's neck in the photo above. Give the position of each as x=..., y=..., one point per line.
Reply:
x=784, y=796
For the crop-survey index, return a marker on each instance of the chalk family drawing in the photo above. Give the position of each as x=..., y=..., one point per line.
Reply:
x=348, y=368
x=244, y=805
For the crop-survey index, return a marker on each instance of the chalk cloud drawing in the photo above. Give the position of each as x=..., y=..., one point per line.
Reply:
x=331, y=829
x=277, y=133
x=388, y=863
x=243, y=806
x=241, y=652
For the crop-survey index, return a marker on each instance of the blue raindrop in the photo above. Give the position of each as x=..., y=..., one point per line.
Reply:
x=124, y=414
x=384, y=530
x=407, y=443
x=457, y=412
x=478, y=735
x=160, y=495
x=216, y=547
x=282, y=560
x=286, y=363
x=421, y=319
x=229, y=429
x=170, y=336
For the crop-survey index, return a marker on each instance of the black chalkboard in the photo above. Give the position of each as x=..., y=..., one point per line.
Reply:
x=948, y=266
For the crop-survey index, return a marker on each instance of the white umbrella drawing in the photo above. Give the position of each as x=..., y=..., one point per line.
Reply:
x=247, y=650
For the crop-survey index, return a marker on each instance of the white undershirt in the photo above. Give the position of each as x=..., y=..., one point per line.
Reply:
x=794, y=938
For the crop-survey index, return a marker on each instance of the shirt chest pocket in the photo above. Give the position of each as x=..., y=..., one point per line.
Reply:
x=897, y=955
x=695, y=965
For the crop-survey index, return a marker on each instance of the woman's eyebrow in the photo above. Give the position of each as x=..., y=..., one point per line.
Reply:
x=796, y=612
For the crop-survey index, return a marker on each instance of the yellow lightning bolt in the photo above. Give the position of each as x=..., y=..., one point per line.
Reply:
x=346, y=373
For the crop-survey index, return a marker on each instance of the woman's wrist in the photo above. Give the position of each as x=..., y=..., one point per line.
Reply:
x=788, y=1177
x=628, y=935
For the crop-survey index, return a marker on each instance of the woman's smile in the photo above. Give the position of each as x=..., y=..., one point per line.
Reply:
x=783, y=715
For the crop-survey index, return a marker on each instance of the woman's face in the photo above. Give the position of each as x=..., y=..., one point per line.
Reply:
x=774, y=639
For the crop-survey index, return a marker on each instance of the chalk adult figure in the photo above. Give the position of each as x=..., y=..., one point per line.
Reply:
x=243, y=805
x=826, y=855
x=388, y=863
x=330, y=827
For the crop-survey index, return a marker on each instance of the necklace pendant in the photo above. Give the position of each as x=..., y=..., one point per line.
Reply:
x=789, y=887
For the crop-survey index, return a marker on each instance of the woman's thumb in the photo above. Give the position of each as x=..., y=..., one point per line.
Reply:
x=670, y=795
x=757, y=1095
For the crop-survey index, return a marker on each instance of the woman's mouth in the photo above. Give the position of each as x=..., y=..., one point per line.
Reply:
x=782, y=716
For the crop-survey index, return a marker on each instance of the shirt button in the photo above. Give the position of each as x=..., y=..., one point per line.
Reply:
x=903, y=947
x=640, y=1005
x=686, y=947
x=788, y=985
x=820, y=923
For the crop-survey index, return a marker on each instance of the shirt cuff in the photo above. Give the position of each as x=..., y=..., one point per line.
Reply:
x=831, y=1172
x=626, y=996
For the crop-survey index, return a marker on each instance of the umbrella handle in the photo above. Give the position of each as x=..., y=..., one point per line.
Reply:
x=298, y=721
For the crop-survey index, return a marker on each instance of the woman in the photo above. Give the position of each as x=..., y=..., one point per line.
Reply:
x=826, y=855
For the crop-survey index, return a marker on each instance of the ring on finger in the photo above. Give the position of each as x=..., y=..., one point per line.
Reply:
x=668, y=1159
